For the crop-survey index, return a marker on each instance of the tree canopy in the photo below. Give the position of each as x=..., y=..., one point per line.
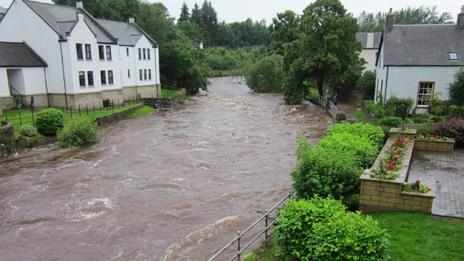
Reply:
x=284, y=29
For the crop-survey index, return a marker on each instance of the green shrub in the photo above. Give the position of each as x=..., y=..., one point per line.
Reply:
x=49, y=122
x=373, y=133
x=361, y=147
x=456, y=89
x=266, y=75
x=326, y=171
x=398, y=107
x=321, y=229
x=366, y=84
x=438, y=107
x=77, y=133
x=455, y=111
x=28, y=131
x=390, y=121
x=421, y=118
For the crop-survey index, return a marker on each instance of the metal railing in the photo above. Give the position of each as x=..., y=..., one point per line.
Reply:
x=269, y=219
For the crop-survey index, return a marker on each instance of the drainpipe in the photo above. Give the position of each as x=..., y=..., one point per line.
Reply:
x=64, y=77
x=46, y=88
x=386, y=86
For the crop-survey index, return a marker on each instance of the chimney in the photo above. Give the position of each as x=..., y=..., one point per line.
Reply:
x=460, y=22
x=79, y=4
x=131, y=20
x=390, y=20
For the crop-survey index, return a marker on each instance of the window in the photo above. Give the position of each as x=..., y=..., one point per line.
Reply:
x=110, y=77
x=144, y=54
x=128, y=74
x=453, y=56
x=108, y=52
x=140, y=54
x=425, y=93
x=82, y=79
x=90, y=78
x=140, y=74
x=149, y=74
x=88, y=52
x=145, y=74
x=103, y=77
x=148, y=54
x=80, y=55
x=101, y=52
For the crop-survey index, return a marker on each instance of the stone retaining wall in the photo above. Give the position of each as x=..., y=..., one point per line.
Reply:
x=163, y=103
x=435, y=145
x=117, y=116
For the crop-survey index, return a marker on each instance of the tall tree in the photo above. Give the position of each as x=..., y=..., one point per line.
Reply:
x=196, y=17
x=184, y=14
x=284, y=30
x=119, y=10
x=328, y=51
x=369, y=22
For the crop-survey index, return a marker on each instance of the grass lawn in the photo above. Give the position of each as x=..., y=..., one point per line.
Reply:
x=144, y=111
x=413, y=236
x=361, y=116
x=166, y=93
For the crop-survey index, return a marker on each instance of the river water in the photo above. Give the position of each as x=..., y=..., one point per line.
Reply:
x=172, y=186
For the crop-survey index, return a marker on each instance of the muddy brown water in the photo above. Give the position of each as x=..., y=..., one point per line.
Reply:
x=172, y=186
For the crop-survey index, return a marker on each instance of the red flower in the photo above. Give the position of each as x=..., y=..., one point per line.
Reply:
x=418, y=182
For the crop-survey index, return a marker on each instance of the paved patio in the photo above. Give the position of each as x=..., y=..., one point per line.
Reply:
x=444, y=172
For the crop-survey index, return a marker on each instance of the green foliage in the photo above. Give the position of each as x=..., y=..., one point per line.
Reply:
x=398, y=107
x=456, y=111
x=364, y=150
x=369, y=22
x=374, y=133
x=49, y=121
x=390, y=121
x=326, y=171
x=77, y=133
x=321, y=229
x=119, y=10
x=456, y=89
x=285, y=29
x=438, y=107
x=266, y=75
x=142, y=112
x=28, y=131
x=366, y=84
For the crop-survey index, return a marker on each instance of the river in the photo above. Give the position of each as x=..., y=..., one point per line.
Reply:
x=175, y=185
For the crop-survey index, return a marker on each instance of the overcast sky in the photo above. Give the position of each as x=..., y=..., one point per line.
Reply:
x=239, y=10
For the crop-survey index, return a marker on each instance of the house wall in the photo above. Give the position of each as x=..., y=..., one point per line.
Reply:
x=380, y=82
x=369, y=55
x=21, y=24
x=4, y=88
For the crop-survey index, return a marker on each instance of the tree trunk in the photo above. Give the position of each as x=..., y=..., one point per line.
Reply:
x=320, y=87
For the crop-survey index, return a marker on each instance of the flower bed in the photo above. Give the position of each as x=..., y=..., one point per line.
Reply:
x=434, y=143
x=392, y=163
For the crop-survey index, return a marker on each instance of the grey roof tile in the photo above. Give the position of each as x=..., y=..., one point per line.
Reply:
x=423, y=45
x=19, y=55
x=127, y=33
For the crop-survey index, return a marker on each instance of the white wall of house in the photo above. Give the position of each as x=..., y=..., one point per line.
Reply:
x=128, y=58
x=145, y=64
x=4, y=88
x=381, y=75
x=27, y=81
x=369, y=55
x=21, y=24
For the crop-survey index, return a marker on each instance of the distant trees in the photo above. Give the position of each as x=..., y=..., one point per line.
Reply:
x=369, y=22
x=326, y=52
x=119, y=10
x=285, y=29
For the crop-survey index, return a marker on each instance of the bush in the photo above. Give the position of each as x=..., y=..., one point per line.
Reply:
x=28, y=131
x=77, y=133
x=398, y=107
x=266, y=75
x=453, y=128
x=364, y=150
x=49, y=122
x=326, y=171
x=373, y=133
x=390, y=121
x=456, y=89
x=321, y=229
x=455, y=111
x=421, y=118
x=366, y=84
x=438, y=107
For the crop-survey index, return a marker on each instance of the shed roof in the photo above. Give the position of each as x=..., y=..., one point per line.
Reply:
x=14, y=54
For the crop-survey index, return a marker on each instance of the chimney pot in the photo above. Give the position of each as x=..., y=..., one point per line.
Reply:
x=131, y=20
x=79, y=4
x=460, y=22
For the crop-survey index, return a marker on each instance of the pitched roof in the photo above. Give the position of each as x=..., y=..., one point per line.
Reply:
x=62, y=19
x=362, y=38
x=19, y=55
x=3, y=10
x=127, y=33
x=423, y=45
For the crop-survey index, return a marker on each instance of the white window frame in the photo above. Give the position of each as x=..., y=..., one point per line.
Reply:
x=423, y=96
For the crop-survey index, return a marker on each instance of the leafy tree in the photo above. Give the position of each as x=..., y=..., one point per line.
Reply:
x=366, y=84
x=266, y=75
x=284, y=30
x=184, y=14
x=369, y=22
x=196, y=17
x=119, y=10
x=456, y=89
x=154, y=19
x=328, y=52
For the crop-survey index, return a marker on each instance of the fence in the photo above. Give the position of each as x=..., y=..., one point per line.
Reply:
x=329, y=107
x=27, y=116
x=269, y=219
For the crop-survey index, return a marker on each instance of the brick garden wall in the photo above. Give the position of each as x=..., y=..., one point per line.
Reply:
x=435, y=145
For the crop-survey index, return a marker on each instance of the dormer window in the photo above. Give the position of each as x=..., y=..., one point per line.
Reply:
x=453, y=56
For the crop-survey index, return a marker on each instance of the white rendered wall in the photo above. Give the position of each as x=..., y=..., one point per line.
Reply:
x=4, y=88
x=21, y=24
x=146, y=64
x=369, y=55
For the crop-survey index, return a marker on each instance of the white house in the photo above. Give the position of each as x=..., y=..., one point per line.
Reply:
x=370, y=46
x=84, y=60
x=419, y=61
x=2, y=12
